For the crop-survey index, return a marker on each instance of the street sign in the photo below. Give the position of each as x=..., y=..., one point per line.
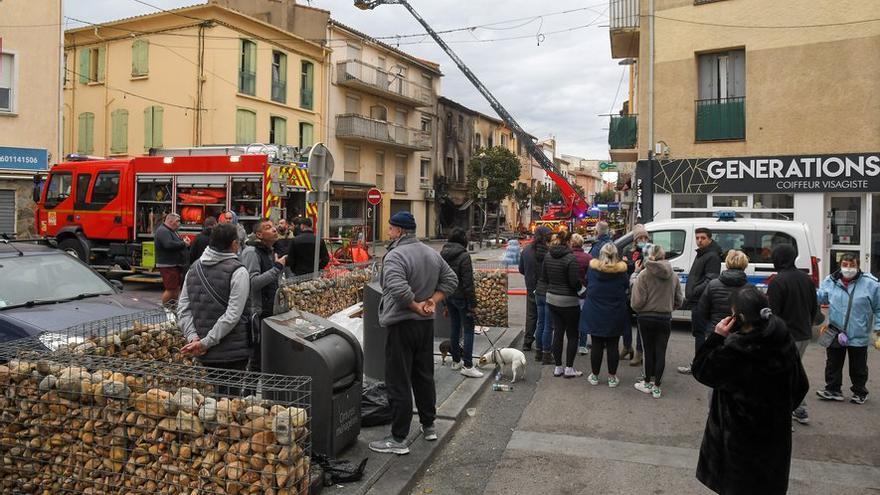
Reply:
x=321, y=165
x=374, y=196
x=607, y=166
x=482, y=183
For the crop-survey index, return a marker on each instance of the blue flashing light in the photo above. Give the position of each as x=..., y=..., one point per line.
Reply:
x=725, y=216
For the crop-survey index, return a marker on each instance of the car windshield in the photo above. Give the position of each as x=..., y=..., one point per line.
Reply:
x=51, y=277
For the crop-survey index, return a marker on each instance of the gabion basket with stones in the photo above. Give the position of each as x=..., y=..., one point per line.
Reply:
x=490, y=282
x=80, y=423
x=330, y=292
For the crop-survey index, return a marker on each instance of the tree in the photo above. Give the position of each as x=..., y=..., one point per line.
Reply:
x=522, y=197
x=603, y=197
x=501, y=168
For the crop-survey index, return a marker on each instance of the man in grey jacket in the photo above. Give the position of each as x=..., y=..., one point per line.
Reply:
x=170, y=256
x=264, y=267
x=214, y=305
x=414, y=279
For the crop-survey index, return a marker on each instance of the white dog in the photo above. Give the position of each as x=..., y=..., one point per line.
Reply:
x=509, y=358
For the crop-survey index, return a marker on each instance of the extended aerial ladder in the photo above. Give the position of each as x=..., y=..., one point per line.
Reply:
x=574, y=202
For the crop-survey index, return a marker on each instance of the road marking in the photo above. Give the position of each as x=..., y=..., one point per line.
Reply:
x=833, y=473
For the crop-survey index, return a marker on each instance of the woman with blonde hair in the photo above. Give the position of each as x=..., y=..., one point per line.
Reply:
x=605, y=314
x=714, y=304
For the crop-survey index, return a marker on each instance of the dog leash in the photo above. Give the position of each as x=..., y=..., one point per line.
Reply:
x=496, y=353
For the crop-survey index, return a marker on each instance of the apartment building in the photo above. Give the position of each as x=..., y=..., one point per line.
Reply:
x=30, y=106
x=456, y=146
x=585, y=173
x=770, y=123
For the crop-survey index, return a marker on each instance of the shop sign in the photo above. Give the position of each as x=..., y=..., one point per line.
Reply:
x=849, y=172
x=23, y=158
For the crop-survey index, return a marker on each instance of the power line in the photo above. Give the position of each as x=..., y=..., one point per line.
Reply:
x=617, y=93
x=781, y=26
x=129, y=93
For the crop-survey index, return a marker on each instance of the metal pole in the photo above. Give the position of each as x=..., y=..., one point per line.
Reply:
x=373, y=244
x=320, y=204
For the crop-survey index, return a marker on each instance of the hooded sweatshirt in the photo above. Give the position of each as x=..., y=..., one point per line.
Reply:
x=792, y=294
x=656, y=290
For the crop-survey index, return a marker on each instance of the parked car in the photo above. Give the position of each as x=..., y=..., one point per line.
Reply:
x=755, y=237
x=45, y=289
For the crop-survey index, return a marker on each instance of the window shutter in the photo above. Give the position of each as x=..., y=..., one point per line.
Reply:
x=282, y=76
x=708, y=75
x=101, y=57
x=245, y=126
x=252, y=57
x=84, y=66
x=148, y=128
x=89, y=145
x=81, y=134
x=280, y=131
x=157, y=127
x=119, y=143
x=306, y=135
x=140, y=54
x=736, y=73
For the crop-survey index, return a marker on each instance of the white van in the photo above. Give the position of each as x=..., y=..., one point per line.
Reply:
x=755, y=237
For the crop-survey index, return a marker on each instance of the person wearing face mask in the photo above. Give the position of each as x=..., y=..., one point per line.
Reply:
x=853, y=299
x=752, y=364
x=633, y=259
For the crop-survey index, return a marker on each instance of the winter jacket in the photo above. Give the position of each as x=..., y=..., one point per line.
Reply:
x=457, y=257
x=170, y=248
x=707, y=265
x=656, y=290
x=714, y=304
x=282, y=245
x=411, y=271
x=199, y=244
x=264, y=273
x=792, y=294
x=528, y=267
x=865, y=292
x=758, y=380
x=583, y=259
x=225, y=337
x=301, y=255
x=540, y=254
x=560, y=272
x=597, y=245
x=605, y=313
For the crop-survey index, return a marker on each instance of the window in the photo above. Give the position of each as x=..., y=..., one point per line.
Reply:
x=720, y=109
x=91, y=65
x=306, y=134
x=140, y=58
x=352, y=52
x=352, y=163
x=448, y=169
x=460, y=175
x=247, y=68
x=7, y=82
x=399, y=75
x=67, y=70
x=58, y=188
x=504, y=140
x=119, y=124
x=672, y=242
x=490, y=143
x=460, y=123
x=85, y=141
x=427, y=81
x=245, y=126
x=730, y=201
x=689, y=200
x=425, y=170
x=380, y=170
x=307, y=85
x=400, y=173
x=400, y=117
x=153, y=127
x=765, y=242
x=352, y=104
x=277, y=130
x=279, y=77
x=426, y=123
x=379, y=112
x=106, y=188
x=781, y=201
x=82, y=188
x=478, y=141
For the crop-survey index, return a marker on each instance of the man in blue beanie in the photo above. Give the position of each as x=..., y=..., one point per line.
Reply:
x=414, y=279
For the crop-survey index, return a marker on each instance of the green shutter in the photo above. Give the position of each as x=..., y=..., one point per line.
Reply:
x=280, y=130
x=307, y=85
x=101, y=57
x=282, y=76
x=119, y=143
x=140, y=58
x=84, y=65
x=85, y=137
x=306, y=134
x=245, y=126
x=153, y=127
x=157, y=127
x=148, y=128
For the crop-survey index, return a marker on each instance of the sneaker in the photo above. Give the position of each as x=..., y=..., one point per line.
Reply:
x=573, y=373
x=655, y=392
x=800, y=415
x=826, y=395
x=858, y=399
x=613, y=381
x=472, y=372
x=558, y=371
x=684, y=370
x=429, y=433
x=389, y=445
x=644, y=387
x=593, y=379
x=456, y=365
x=582, y=350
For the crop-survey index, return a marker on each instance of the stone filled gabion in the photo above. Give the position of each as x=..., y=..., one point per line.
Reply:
x=142, y=341
x=491, y=288
x=65, y=428
x=329, y=295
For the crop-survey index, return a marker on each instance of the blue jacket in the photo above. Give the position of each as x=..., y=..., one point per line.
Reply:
x=529, y=267
x=597, y=245
x=604, y=313
x=865, y=314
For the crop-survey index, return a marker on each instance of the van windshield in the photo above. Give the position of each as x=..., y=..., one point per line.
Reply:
x=59, y=188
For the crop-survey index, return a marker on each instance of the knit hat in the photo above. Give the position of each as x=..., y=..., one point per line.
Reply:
x=404, y=220
x=639, y=230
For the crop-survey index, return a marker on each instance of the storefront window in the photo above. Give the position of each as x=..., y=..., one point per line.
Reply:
x=775, y=201
x=730, y=201
x=846, y=212
x=689, y=201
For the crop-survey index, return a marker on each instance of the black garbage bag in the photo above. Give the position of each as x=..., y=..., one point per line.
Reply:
x=375, y=410
x=337, y=471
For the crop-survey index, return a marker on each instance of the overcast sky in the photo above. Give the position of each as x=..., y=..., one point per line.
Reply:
x=556, y=87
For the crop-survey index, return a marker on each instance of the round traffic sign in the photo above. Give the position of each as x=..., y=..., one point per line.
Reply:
x=374, y=196
x=482, y=183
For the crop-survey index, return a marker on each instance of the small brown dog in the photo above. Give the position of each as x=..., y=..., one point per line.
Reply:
x=445, y=350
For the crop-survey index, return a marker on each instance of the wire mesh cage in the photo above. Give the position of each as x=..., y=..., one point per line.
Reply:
x=327, y=292
x=80, y=423
x=490, y=283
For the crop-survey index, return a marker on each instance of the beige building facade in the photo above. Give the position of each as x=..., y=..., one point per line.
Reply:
x=30, y=106
x=770, y=123
x=203, y=75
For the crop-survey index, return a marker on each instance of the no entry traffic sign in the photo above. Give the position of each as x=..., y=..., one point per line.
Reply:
x=374, y=196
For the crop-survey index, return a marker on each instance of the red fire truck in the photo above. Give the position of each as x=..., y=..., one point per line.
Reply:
x=105, y=211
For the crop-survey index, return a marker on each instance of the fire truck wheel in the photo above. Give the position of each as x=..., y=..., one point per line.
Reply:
x=73, y=247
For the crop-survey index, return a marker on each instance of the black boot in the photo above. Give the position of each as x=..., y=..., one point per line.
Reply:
x=548, y=358
x=539, y=354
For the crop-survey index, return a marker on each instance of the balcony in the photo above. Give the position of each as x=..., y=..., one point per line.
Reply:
x=279, y=91
x=364, y=129
x=624, y=27
x=623, y=136
x=356, y=74
x=247, y=82
x=720, y=119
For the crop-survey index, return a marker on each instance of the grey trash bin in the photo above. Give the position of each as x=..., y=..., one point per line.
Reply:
x=297, y=343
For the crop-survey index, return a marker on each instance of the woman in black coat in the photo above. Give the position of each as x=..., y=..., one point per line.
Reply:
x=714, y=304
x=753, y=367
x=561, y=272
x=461, y=303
